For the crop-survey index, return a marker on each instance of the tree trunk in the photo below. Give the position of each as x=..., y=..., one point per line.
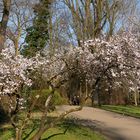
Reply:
x=38, y=135
x=135, y=98
x=4, y=21
x=18, y=134
x=42, y=129
x=1, y=41
x=92, y=100
x=16, y=47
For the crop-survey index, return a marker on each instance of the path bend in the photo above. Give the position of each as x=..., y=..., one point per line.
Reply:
x=112, y=125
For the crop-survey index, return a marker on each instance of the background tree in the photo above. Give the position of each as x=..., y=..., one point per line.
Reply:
x=20, y=19
x=3, y=23
x=38, y=34
x=91, y=18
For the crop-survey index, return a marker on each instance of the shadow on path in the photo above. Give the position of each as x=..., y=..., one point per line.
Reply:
x=109, y=133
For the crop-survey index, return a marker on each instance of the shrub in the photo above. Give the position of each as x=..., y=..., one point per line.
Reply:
x=57, y=98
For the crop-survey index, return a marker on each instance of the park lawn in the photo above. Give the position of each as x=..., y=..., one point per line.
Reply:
x=73, y=132
x=123, y=109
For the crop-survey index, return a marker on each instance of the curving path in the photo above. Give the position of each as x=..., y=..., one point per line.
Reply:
x=112, y=125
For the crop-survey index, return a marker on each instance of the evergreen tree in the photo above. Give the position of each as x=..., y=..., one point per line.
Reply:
x=38, y=35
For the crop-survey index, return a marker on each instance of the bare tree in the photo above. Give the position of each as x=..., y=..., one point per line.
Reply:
x=20, y=19
x=90, y=18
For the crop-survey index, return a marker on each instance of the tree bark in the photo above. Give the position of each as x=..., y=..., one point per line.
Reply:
x=135, y=98
x=41, y=130
x=4, y=21
x=18, y=134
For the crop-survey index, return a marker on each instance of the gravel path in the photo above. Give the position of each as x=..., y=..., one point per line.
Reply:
x=112, y=125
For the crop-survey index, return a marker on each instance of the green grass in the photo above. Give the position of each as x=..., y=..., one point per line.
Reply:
x=126, y=110
x=64, y=131
x=6, y=134
x=74, y=132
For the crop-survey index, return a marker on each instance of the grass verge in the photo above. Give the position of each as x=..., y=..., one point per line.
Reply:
x=128, y=110
x=66, y=130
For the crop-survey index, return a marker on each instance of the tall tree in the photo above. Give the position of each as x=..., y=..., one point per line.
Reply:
x=38, y=34
x=4, y=21
x=89, y=18
x=21, y=15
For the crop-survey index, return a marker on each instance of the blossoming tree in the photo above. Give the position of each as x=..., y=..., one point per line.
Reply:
x=116, y=61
